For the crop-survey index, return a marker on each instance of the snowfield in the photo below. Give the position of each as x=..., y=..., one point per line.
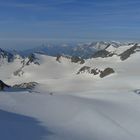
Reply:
x=67, y=106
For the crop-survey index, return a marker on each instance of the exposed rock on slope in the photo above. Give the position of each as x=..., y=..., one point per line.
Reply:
x=29, y=85
x=58, y=58
x=31, y=59
x=106, y=72
x=73, y=59
x=126, y=54
x=95, y=71
x=76, y=59
x=84, y=69
x=18, y=72
x=3, y=85
x=103, y=54
x=87, y=69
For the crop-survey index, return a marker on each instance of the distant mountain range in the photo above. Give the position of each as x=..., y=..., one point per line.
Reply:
x=83, y=50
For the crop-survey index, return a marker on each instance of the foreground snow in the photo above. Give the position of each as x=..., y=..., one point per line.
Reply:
x=18, y=127
x=95, y=115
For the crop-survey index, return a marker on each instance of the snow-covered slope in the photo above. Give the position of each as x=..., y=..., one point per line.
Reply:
x=120, y=49
x=71, y=106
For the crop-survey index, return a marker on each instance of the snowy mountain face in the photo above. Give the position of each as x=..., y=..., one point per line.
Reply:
x=70, y=98
x=126, y=54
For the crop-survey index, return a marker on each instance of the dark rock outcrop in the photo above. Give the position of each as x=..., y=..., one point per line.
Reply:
x=18, y=72
x=106, y=72
x=95, y=71
x=102, y=54
x=76, y=59
x=84, y=69
x=32, y=59
x=87, y=69
x=29, y=85
x=58, y=58
x=3, y=85
x=73, y=59
x=126, y=54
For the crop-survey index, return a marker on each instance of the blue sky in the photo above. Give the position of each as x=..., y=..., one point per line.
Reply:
x=70, y=19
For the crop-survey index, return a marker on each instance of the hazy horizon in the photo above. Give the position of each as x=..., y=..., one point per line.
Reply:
x=25, y=44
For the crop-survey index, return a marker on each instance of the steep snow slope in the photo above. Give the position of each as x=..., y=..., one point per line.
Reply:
x=120, y=49
x=79, y=107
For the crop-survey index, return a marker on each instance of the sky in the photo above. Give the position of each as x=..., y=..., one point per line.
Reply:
x=36, y=20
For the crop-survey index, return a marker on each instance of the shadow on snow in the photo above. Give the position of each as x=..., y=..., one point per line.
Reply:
x=18, y=127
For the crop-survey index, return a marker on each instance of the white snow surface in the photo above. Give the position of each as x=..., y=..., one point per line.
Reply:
x=120, y=49
x=76, y=107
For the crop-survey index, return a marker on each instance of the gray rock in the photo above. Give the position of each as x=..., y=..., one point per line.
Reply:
x=87, y=69
x=102, y=54
x=126, y=54
x=29, y=85
x=76, y=59
x=84, y=69
x=106, y=72
x=95, y=71
x=32, y=59
x=3, y=85
x=19, y=72
x=58, y=58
